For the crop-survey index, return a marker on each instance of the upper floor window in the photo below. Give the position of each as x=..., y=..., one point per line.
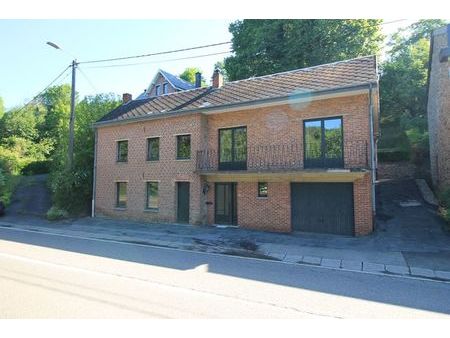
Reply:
x=153, y=149
x=121, y=194
x=323, y=143
x=233, y=148
x=157, y=90
x=122, y=151
x=165, y=88
x=183, y=147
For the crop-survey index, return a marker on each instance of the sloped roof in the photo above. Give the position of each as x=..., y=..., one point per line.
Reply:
x=332, y=76
x=177, y=82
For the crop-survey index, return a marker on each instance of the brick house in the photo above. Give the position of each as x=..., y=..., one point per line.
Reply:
x=293, y=151
x=438, y=106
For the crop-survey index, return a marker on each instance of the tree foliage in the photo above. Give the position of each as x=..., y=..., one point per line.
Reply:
x=189, y=75
x=403, y=89
x=72, y=191
x=269, y=46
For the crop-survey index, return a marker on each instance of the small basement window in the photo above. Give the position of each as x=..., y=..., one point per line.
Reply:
x=262, y=189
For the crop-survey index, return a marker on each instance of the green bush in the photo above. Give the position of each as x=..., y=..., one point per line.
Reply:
x=72, y=191
x=37, y=167
x=8, y=184
x=12, y=162
x=393, y=155
x=55, y=213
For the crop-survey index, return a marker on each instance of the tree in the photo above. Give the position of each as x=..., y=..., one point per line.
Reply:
x=268, y=46
x=73, y=191
x=19, y=123
x=189, y=75
x=2, y=108
x=403, y=88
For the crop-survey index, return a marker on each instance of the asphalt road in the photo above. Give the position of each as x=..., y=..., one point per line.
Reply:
x=54, y=276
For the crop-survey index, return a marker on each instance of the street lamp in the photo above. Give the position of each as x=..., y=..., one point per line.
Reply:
x=72, y=108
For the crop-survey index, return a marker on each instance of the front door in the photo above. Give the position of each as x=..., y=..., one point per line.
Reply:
x=225, y=203
x=183, y=202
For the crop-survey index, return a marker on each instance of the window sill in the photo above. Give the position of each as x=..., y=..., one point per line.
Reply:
x=183, y=159
x=120, y=208
x=152, y=161
x=118, y=162
x=262, y=198
x=155, y=210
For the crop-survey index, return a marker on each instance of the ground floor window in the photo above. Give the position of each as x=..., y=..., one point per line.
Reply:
x=152, y=196
x=121, y=194
x=262, y=189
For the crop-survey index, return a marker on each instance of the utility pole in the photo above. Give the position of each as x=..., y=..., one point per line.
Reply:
x=72, y=118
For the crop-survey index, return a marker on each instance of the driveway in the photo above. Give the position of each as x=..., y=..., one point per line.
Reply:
x=407, y=240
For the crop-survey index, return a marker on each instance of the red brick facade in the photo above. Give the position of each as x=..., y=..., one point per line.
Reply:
x=268, y=125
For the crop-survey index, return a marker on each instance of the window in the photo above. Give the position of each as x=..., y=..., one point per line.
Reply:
x=122, y=151
x=165, y=88
x=262, y=189
x=157, y=90
x=323, y=140
x=233, y=148
x=152, y=196
x=183, y=147
x=153, y=149
x=121, y=194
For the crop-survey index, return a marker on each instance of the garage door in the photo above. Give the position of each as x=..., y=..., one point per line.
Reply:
x=323, y=207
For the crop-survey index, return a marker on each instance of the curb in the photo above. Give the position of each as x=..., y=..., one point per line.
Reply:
x=311, y=261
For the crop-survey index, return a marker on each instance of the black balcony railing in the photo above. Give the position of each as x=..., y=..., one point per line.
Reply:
x=355, y=155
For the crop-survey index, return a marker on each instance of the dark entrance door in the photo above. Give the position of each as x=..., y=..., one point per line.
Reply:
x=323, y=207
x=225, y=203
x=183, y=202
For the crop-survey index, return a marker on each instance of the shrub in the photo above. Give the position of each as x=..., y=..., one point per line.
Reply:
x=72, y=191
x=54, y=213
x=37, y=167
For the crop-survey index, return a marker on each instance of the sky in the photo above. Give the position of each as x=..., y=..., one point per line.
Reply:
x=28, y=64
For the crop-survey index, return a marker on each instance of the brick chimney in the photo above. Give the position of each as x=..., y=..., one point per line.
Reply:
x=198, y=80
x=126, y=97
x=217, y=79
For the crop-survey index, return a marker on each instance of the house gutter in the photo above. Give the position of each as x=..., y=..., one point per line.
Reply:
x=241, y=105
x=94, y=177
x=372, y=148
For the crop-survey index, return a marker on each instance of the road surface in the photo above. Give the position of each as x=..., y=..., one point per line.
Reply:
x=54, y=276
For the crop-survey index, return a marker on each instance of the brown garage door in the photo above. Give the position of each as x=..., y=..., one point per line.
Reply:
x=323, y=208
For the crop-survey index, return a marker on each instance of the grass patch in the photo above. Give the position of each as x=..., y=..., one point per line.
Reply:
x=54, y=214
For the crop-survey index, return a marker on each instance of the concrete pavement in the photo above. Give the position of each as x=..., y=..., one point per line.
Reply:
x=57, y=276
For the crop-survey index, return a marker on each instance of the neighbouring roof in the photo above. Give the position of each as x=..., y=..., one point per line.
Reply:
x=327, y=77
x=177, y=82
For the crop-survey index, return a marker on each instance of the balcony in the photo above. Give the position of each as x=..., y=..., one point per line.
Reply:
x=287, y=157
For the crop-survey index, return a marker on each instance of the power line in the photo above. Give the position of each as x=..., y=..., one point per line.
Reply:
x=87, y=79
x=157, y=53
x=161, y=61
x=43, y=90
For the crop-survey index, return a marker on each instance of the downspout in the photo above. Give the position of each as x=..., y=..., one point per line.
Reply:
x=372, y=148
x=94, y=173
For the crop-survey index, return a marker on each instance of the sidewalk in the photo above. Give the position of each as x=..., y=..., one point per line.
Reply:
x=378, y=253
